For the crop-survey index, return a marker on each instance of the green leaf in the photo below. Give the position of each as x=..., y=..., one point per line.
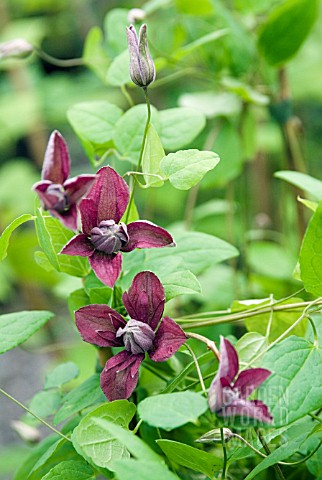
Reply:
x=71, y=470
x=130, y=129
x=52, y=237
x=311, y=254
x=212, y=104
x=200, y=42
x=179, y=127
x=63, y=373
x=186, y=168
x=16, y=328
x=95, y=443
x=280, y=321
x=77, y=299
x=42, y=261
x=133, y=469
x=79, y=398
x=6, y=234
x=35, y=454
x=137, y=447
x=115, y=24
x=45, y=403
x=293, y=390
x=94, y=55
x=297, y=435
x=245, y=92
x=249, y=346
x=152, y=155
x=308, y=203
x=191, y=457
x=118, y=73
x=279, y=262
x=94, y=121
x=286, y=28
x=190, y=7
x=305, y=182
x=180, y=283
x=194, y=248
x=172, y=410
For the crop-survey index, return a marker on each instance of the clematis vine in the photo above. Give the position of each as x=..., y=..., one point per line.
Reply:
x=58, y=193
x=227, y=395
x=145, y=331
x=103, y=236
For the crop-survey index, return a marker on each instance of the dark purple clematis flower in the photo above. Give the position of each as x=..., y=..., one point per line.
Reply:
x=103, y=237
x=58, y=193
x=227, y=395
x=144, y=332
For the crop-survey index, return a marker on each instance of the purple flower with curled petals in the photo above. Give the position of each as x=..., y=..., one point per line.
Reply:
x=146, y=331
x=58, y=193
x=227, y=394
x=104, y=236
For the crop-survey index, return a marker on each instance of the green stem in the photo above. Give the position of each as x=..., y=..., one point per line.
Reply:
x=224, y=466
x=127, y=95
x=210, y=343
x=33, y=414
x=202, y=383
x=278, y=471
x=137, y=426
x=315, y=333
x=73, y=62
x=141, y=151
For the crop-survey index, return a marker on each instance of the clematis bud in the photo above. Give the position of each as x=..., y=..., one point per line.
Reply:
x=18, y=48
x=137, y=336
x=215, y=436
x=142, y=69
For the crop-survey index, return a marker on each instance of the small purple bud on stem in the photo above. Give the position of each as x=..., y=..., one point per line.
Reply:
x=142, y=69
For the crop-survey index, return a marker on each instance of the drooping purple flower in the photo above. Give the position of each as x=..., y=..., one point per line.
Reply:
x=58, y=193
x=104, y=237
x=146, y=331
x=227, y=395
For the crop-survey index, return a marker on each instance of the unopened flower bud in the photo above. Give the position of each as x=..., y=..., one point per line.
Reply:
x=215, y=436
x=136, y=15
x=142, y=69
x=18, y=48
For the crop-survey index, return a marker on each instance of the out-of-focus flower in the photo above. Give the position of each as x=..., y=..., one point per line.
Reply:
x=17, y=48
x=103, y=237
x=227, y=395
x=136, y=15
x=142, y=69
x=146, y=331
x=58, y=193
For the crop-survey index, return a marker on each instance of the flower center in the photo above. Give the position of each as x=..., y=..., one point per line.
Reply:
x=109, y=237
x=229, y=395
x=137, y=336
x=59, y=200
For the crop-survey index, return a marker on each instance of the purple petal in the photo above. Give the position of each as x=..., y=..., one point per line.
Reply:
x=78, y=245
x=120, y=375
x=254, y=409
x=228, y=368
x=56, y=165
x=249, y=380
x=145, y=299
x=144, y=234
x=98, y=325
x=77, y=187
x=168, y=339
x=88, y=213
x=47, y=200
x=69, y=218
x=106, y=267
x=111, y=195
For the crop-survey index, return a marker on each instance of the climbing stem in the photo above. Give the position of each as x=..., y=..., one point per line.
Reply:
x=6, y=394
